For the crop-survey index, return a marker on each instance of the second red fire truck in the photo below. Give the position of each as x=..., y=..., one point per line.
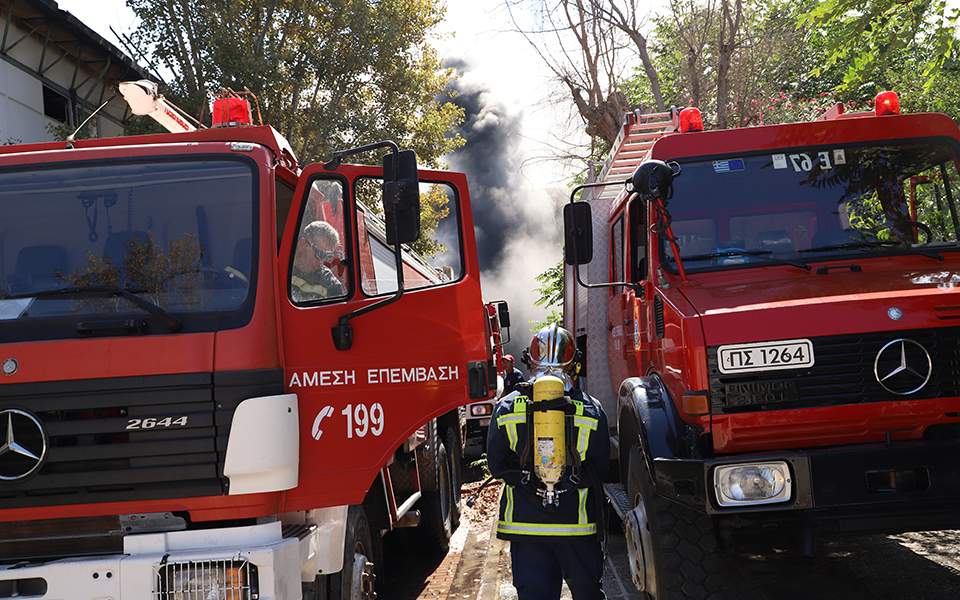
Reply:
x=769, y=316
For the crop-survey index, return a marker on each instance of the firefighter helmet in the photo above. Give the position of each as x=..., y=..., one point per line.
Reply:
x=553, y=348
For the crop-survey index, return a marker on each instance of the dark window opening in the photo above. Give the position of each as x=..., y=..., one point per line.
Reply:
x=284, y=202
x=638, y=241
x=618, y=250
x=55, y=105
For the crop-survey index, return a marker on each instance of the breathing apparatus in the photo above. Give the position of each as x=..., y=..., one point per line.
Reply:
x=554, y=359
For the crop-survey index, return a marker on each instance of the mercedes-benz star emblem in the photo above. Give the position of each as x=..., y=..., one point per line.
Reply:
x=903, y=367
x=10, y=366
x=894, y=313
x=24, y=444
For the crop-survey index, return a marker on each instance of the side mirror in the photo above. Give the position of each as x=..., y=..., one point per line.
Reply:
x=401, y=197
x=503, y=313
x=577, y=233
x=654, y=179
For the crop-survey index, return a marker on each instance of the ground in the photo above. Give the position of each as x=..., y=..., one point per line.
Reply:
x=918, y=566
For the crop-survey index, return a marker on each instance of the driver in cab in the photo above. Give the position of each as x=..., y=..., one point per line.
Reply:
x=317, y=255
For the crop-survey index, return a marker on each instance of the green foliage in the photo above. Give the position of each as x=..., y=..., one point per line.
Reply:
x=329, y=73
x=795, y=60
x=866, y=36
x=550, y=296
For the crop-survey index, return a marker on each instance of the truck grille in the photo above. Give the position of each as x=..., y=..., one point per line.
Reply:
x=130, y=438
x=843, y=373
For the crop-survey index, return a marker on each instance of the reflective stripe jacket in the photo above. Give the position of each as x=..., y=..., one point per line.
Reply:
x=522, y=513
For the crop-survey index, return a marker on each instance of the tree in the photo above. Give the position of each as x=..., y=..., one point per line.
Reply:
x=329, y=73
x=550, y=295
x=588, y=45
x=865, y=34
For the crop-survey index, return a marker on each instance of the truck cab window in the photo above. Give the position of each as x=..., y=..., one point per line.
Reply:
x=434, y=259
x=178, y=233
x=814, y=204
x=321, y=269
x=284, y=195
x=638, y=240
x=617, y=250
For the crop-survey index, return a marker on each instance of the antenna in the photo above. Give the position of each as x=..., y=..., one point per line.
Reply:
x=73, y=136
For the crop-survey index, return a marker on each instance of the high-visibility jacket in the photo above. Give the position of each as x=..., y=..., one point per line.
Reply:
x=522, y=514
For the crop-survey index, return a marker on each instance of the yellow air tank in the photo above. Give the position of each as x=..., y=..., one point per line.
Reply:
x=549, y=434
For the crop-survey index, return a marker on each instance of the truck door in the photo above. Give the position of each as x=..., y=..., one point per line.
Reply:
x=410, y=360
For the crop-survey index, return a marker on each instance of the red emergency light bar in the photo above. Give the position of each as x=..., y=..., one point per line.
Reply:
x=690, y=120
x=887, y=103
x=231, y=112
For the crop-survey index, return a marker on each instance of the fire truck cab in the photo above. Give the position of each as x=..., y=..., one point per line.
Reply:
x=771, y=328
x=225, y=375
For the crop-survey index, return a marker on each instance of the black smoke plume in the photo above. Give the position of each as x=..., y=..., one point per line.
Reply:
x=518, y=233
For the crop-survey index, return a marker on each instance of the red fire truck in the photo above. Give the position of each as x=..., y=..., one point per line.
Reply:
x=769, y=318
x=225, y=376
x=478, y=413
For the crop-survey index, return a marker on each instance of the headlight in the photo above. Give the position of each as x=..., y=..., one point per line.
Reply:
x=480, y=410
x=207, y=580
x=747, y=484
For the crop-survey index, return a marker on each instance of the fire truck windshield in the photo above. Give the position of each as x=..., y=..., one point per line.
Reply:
x=815, y=204
x=175, y=235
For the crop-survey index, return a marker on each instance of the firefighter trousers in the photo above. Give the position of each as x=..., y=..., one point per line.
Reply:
x=540, y=566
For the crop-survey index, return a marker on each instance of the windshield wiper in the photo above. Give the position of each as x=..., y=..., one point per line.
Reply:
x=850, y=246
x=762, y=253
x=172, y=323
x=874, y=244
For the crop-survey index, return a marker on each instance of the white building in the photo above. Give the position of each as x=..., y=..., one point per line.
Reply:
x=54, y=71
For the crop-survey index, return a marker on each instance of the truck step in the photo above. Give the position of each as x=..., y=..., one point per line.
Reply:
x=617, y=495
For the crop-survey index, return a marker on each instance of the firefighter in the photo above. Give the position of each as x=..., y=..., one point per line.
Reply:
x=313, y=278
x=552, y=523
x=512, y=376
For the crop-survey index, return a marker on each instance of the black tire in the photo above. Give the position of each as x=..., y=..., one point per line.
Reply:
x=455, y=464
x=436, y=523
x=359, y=546
x=688, y=561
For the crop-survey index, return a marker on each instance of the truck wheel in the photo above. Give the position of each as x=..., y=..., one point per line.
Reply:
x=357, y=579
x=688, y=564
x=455, y=456
x=436, y=513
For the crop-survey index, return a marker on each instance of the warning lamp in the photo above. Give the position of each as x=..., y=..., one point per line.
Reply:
x=691, y=120
x=231, y=111
x=887, y=103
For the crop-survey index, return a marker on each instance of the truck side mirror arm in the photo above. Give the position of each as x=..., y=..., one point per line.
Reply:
x=343, y=331
x=574, y=213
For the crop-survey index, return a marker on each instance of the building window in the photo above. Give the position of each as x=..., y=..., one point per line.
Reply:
x=55, y=105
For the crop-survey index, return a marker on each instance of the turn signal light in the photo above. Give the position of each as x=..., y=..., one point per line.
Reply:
x=695, y=404
x=691, y=120
x=887, y=103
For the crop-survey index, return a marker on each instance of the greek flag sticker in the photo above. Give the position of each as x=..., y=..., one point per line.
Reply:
x=728, y=166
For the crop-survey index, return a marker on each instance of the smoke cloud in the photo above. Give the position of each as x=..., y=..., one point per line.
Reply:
x=517, y=224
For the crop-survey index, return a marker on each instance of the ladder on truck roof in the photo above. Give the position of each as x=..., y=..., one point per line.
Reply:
x=637, y=136
x=588, y=320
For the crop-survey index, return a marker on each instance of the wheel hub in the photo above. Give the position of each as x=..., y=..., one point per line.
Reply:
x=363, y=584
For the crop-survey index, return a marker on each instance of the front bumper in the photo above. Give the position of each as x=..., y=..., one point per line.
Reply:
x=875, y=488
x=133, y=574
